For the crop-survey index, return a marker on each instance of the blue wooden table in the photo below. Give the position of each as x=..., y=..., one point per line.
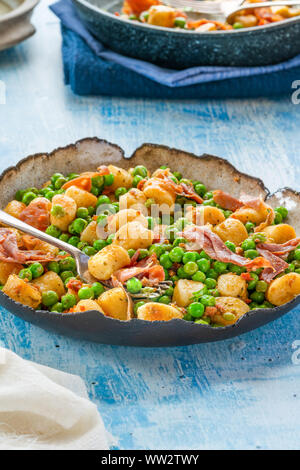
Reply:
x=241, y=393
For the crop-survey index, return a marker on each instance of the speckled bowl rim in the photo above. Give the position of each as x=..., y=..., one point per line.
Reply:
x=21, y=10
x=246, y=31
x=123, y=326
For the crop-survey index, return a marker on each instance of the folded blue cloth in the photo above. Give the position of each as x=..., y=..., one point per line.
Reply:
x=91, y=68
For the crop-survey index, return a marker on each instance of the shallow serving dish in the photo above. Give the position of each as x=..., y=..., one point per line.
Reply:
x=179, y=49
x=213, y=171
x=15, y=23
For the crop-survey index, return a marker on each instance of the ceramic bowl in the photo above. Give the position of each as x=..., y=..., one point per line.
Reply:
x=15, y=23
x=178, y=49
x=215, y=172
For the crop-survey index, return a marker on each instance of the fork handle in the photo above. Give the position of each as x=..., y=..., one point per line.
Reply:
x=8, y=219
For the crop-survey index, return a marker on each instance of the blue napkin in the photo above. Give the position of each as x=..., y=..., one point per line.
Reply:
x=91, y=68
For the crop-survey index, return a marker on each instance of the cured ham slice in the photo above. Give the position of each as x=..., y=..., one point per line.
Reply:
x=37, y=213
x=204, y=239
x=11, y=253
x=278, y=265
x=226, y=201
x=281, y=249
x=147, y=268
x=84, y=181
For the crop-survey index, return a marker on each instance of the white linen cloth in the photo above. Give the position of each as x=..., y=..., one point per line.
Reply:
x=43, y=408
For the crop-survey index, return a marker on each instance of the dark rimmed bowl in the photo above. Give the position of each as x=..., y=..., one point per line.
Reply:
x=15, y=26
x=215, y=172
x=178, y=49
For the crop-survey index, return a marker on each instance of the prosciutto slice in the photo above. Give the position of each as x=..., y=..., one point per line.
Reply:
x=37, y=213
x=278, y=265
x=226, y=201
x=203, y=238
x=11, y=253
x=281, y=249
x=147, y=268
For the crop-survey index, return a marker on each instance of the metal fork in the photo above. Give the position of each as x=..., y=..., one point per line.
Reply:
x=80, y=258
x=228, y=8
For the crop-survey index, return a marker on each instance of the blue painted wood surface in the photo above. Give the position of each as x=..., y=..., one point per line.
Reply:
x=241, y=393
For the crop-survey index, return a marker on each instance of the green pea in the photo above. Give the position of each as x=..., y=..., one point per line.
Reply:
x=200, y=189
x=212, y=273
x=179, y=241
x=103, y=200
x=19, y=194
x=85, y=293
x=131, y=252
x=25, y=274
x=214, y=292
x=134, y=285
x=249, y=226
x=177, y=175
x=248, y=244
x=227, y=214
x=53, y=231
x=66, y=275
x=188, y=317
x=179, y=22
x=53, y=266
x=78, y=225
x=251, y=254
x=190, y=268
x=202, y=322
x=233, y=268
x=98, y=289
x=99, y=244
x=82, y=213
x=72, y=176
x=28, y=197
x=60, y=182
x=151, y=223
x=68, y=301
x=196, y=309
x=58, y=308
x=176, y=254
x=199, y=276
x=291, y=268
x=140, y=170
x=282, y=211
x=91, y=211
x=67, y=264
x=164, y=299
x=138, y=305
x=55, y=177
x=74, y=240
x=108, y=179
x=209, y=202
x=66, y=282
x=64, y=237
x=174, y=278
x=36, y=269
x=190, y=256
x=228, y=316
x=136, y=180
x=167, y=275
x=181, y=273
x=98, y=181
x=202, y=254
x=165, y=261
x=258, y=297
x=82, y=245
x=95, y=191
x=231, y=246
x=238, y=25
x=143, y=253
x=169, y=291
x=110, y=239
x=49, y=298
x=261, y=286
x=89, y=251
x=297, y=254
x=210, y=283
x=220, y=267
x=119, y=192
x=278, y=218
x=49, y=195
x=208, y=300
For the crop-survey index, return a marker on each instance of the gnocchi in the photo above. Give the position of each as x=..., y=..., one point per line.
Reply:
x=153, y=311
x=280, y=233
x=23, y=292
x=284, y=289
x=82, y=197
x=114, y=303
x=63, y=211
x=184, y=290
x=232, y=230
x=107, y=261
x=232, y=285
x=133, y=235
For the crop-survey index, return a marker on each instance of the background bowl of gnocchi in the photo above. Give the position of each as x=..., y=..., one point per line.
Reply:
x=214, y=173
